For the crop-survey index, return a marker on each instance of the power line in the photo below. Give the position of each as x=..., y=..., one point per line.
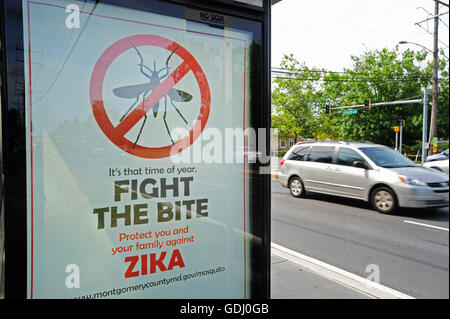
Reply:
x=355, y=72
x=69, y=54
x=430, y=17
x=341, y=72
x=349, y=78
x=343, y=78
x=444, y=44
x=371, y=76
x=346, y=81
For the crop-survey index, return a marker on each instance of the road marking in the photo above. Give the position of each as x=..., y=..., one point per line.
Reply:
x=425, y=225
x=341, y=276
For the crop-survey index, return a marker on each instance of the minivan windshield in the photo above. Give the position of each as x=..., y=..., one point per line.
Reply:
x=386, y=157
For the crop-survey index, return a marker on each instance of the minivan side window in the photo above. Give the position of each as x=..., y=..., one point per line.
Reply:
x=347, y=156
x=299, y=153
x=321, y=154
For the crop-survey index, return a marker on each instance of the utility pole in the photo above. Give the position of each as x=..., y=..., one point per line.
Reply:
x=425, y=126
x=434, y=106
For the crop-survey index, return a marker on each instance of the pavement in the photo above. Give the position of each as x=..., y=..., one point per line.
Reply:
x=291, y=281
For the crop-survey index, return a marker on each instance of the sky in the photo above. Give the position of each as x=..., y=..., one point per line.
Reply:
x=325, y=33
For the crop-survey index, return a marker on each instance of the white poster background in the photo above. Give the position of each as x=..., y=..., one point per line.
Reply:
x=69, y=157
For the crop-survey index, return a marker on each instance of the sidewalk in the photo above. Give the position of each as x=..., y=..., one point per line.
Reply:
x=291, y=281
x=275, y=167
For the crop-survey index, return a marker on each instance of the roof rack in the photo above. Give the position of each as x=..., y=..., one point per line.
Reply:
x=346, y=142
x=357, y=141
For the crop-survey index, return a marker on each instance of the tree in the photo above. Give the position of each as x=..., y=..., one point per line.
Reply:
x=295, y=99
x=381, y=75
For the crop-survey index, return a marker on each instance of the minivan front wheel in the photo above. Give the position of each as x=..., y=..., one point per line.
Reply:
x=383, y=200
x=296, y=187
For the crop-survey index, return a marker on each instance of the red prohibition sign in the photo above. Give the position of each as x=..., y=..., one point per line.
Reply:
x=116, y=134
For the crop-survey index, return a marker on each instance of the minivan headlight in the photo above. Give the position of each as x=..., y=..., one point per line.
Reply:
x=411, y=181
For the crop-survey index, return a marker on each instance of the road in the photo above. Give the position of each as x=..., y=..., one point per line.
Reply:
x=411, y=258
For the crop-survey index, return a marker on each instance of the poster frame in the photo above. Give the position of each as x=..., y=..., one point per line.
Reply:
x=13, y=153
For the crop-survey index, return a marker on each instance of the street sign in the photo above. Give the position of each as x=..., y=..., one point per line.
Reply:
x=435, y=145
x=354, y=111
x=396, y=128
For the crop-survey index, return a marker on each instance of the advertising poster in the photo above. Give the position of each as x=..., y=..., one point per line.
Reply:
x=135, y=187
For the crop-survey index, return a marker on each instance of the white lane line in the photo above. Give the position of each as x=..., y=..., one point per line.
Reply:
x=341, y=276
x=426, y=225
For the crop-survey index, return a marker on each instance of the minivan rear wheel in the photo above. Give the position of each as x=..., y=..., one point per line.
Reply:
x=296, y=187
x=383, y=200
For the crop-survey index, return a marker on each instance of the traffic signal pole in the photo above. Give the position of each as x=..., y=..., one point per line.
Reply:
x=398, y=137
x=396, y=141
x=425, y=145
x=401, y=137
x=372, y=105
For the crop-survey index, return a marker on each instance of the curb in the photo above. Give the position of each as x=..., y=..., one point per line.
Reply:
x=338, y=275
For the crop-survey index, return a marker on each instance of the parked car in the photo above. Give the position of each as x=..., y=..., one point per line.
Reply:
x=439, y=165
x=438, y=162
x=366, y=171
x=437, y=157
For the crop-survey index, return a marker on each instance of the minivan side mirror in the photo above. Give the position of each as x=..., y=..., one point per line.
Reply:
x=360, y=164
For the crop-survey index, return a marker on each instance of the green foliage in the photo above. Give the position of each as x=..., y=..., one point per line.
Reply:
x=414, y=148
x=382, y=76
x=294, y=100
x=442, y=146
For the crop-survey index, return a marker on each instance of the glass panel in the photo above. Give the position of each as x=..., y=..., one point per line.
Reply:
x=322, y=154
x=347, y=156
x=2, y=246
x=258, y=3
x=299, y=153
x=137, y=182
x=386, y=157
x=2, y=210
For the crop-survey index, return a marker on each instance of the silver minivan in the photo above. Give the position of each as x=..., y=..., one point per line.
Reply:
x=366, y=171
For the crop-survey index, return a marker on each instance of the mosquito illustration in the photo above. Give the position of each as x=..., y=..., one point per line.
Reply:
x=138, y=91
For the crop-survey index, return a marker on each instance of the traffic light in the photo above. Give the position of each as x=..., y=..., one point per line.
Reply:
x=367, y=103
x=327, y=108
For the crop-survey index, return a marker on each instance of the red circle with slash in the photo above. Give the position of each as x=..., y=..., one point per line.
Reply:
x=117, y=133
